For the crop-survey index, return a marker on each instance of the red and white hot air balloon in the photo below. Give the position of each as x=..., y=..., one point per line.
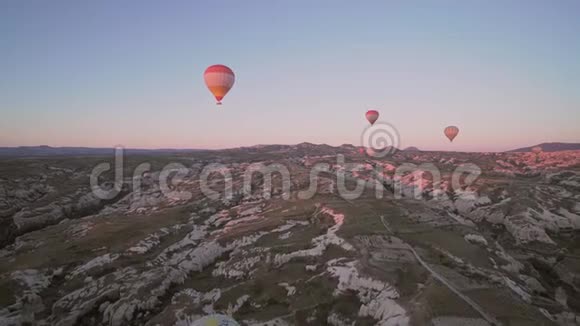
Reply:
x=219, y=79
x=372, y=116
x=371, y=151
x=451, y=132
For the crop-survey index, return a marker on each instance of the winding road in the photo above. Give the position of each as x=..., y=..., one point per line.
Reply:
x=441, y=279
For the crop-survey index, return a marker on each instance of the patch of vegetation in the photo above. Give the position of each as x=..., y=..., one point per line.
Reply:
x=442, y=302
x=7, y=292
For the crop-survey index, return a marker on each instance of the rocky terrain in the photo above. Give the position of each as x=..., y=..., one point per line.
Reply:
x=415, y=238
x=551, y=147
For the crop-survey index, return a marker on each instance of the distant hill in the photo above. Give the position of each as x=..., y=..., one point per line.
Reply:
x=35, y=151
x=302, y=149
x=551, y=147
x=308, y=149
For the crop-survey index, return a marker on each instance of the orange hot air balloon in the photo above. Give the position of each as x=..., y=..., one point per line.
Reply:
x=372, y=116
x=451, y=132
x=219, y=79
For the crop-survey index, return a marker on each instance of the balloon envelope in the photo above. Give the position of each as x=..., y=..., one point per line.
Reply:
x=219, y=79
x=372, y=116
x=537, y=150
x=215, y=319
x=451, y=132
x=371, y=151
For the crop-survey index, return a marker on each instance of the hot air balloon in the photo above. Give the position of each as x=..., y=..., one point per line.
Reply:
x=372, y=116
x=371, y=151
x=537, y=150
x=451, y=132
x=219, y=79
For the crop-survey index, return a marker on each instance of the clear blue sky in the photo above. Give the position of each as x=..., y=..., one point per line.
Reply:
x=102, y=73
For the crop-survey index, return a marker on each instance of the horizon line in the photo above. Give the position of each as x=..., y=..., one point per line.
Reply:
x=256, y=145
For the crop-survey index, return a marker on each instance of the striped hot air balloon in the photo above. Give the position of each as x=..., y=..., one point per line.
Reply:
x=372, y=116
x=537, y=150
x=219, y=79
x=451, y=132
